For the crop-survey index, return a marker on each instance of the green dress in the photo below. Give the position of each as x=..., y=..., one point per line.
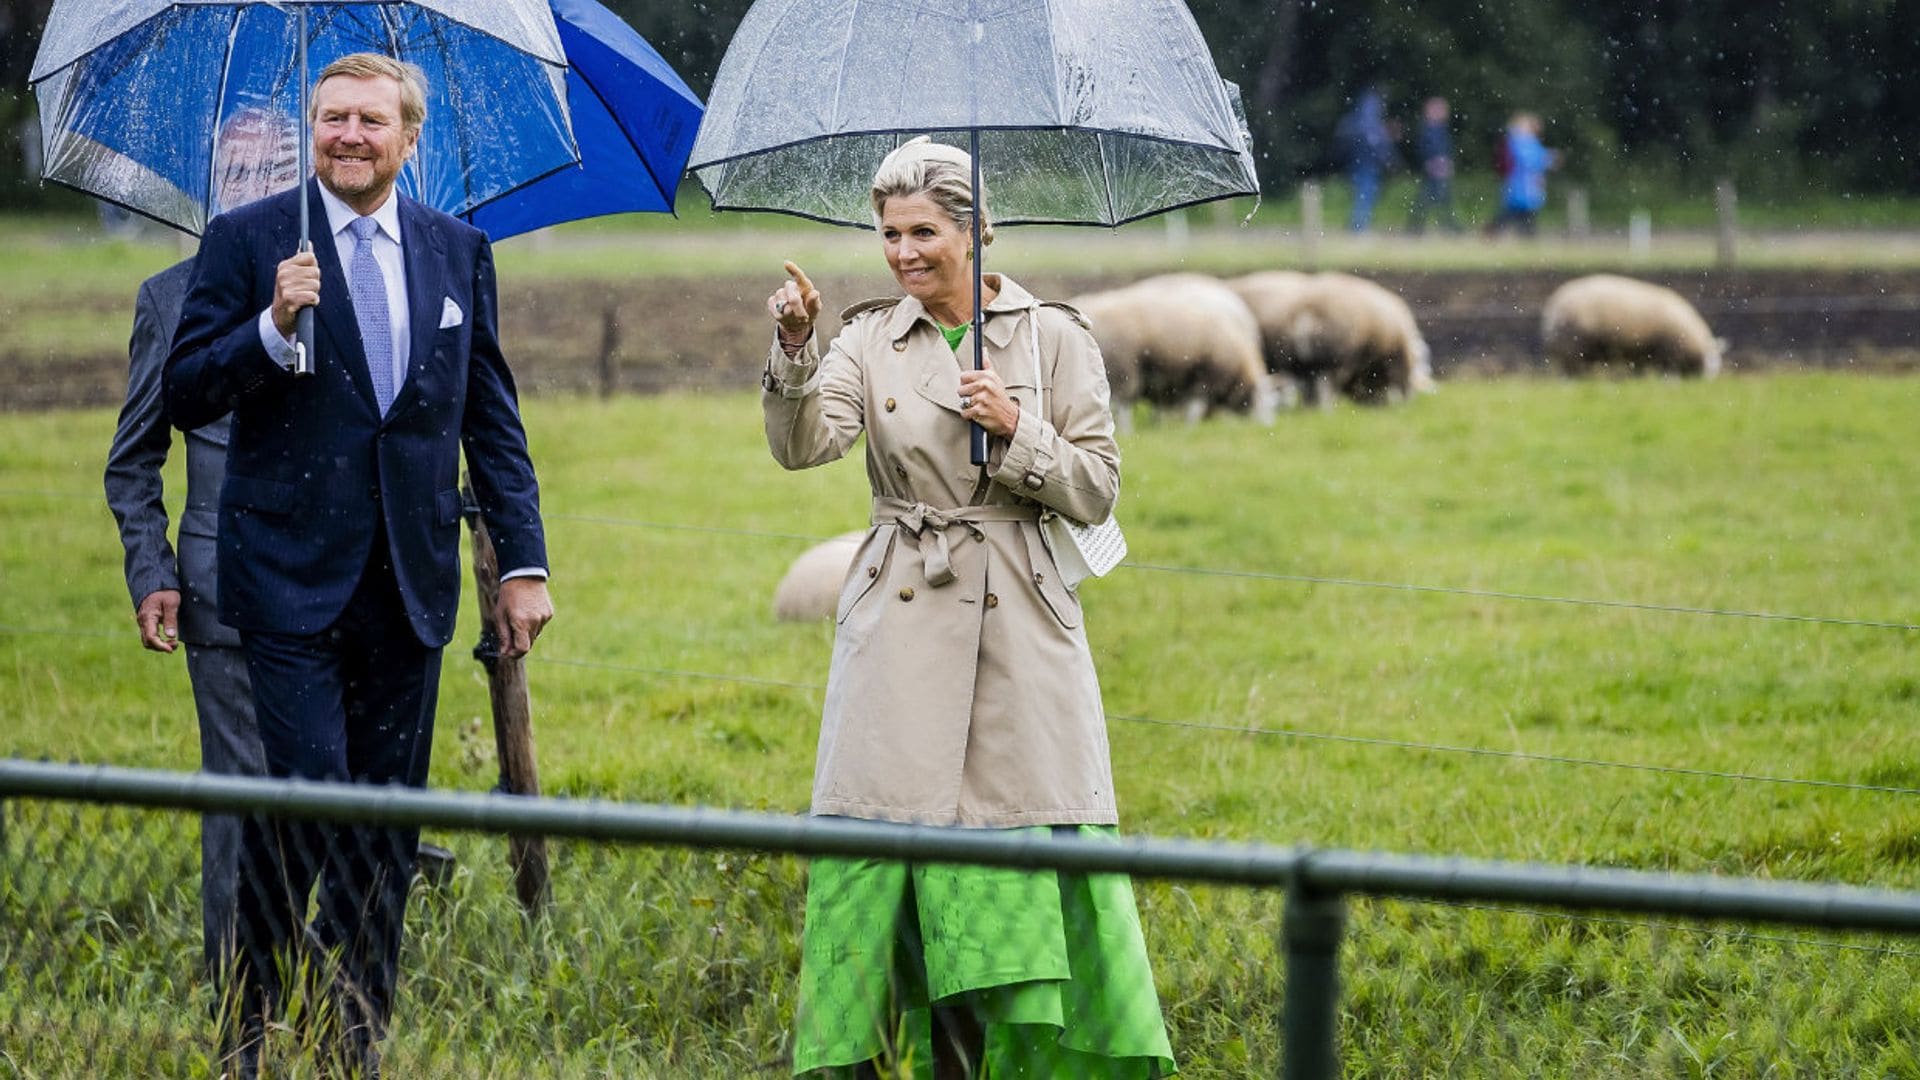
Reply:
x=1051, y=964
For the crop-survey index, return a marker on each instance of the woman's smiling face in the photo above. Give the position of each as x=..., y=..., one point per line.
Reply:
x=927, y=253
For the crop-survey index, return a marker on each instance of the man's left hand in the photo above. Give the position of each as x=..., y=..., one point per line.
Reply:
x=524, y=609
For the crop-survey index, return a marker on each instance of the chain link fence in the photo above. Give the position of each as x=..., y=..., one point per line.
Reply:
x=671, y=945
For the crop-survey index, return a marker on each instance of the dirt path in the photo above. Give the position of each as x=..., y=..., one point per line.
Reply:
x=646, y=335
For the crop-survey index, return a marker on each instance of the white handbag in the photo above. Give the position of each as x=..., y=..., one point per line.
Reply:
x=1080, y=551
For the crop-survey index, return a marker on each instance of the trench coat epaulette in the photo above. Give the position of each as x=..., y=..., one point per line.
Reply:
x=1076, y=314
x=878, y=303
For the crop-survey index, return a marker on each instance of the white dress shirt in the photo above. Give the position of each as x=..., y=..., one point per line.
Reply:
x=393, y=267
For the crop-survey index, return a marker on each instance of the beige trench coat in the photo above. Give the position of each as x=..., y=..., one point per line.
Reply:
x=962, y=691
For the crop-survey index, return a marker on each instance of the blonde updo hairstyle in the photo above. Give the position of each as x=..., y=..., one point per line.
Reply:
x=942, y=173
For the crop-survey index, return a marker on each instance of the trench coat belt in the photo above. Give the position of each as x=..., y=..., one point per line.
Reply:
x=918, y=517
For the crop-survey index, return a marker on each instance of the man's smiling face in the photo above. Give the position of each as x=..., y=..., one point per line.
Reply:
x=359, y=139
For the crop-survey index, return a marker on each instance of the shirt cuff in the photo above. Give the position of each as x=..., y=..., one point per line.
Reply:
x=526, y=571
x=787, y=375
x=279, y=349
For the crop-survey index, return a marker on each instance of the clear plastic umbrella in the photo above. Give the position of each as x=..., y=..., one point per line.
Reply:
x=1084, y=112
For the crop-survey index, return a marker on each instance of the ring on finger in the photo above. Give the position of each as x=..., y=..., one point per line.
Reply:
x=966, y=401
x=780, y=308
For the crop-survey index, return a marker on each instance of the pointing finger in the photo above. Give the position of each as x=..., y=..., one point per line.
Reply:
x=799, y=277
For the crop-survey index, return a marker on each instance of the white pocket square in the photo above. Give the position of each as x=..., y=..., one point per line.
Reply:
x=450, y=313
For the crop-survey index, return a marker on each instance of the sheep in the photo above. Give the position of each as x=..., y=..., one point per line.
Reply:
x=811, y=588
x=1604, y=320
x=1336, y=331
x=1180, y=340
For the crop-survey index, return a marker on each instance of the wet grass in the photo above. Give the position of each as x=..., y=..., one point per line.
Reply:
x=1779, y=494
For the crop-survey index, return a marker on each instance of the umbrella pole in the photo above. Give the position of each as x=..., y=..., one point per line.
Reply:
x=303, y=322
x=977, y=435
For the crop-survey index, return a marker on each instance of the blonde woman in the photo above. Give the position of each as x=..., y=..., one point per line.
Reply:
x=962, y=692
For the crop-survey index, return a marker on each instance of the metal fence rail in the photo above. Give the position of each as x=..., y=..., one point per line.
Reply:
x=1317, y=882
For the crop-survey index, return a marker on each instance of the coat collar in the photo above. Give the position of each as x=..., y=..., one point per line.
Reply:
x=939, y=375
x=1011, y=301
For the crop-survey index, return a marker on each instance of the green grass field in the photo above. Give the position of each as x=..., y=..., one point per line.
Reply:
x=1786, y=494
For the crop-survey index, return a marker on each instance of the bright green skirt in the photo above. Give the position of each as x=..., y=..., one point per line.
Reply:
x=1052, y=965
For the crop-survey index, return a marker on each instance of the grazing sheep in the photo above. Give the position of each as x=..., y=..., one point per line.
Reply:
x=1607, y=321
x=1338, y=332
x=811, y=588
x=1180, y=341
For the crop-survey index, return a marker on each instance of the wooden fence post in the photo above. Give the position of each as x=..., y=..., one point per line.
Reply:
x=1579, y=220
x=1724, y=202
x=609, y=342
x=512, y=714
x=1640, y=235
x=1312, y=224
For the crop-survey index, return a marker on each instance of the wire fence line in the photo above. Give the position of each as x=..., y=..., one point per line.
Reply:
x=1535, y=598
x=1256, y=575
x=1741, y=934
x=100, y=981
x=1313, y=579
x=1304, y=868
x=1411, y=745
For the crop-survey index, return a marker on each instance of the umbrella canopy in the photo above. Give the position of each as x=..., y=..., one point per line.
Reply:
x=634, y=118
x=1087, y=112
x=180, y=109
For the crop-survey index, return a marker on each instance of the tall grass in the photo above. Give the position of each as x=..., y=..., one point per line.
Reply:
x=1787, y=494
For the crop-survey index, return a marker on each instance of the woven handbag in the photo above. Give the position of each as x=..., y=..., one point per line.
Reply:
x=1080, y=550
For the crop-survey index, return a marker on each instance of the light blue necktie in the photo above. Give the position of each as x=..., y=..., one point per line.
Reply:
x=369, y=288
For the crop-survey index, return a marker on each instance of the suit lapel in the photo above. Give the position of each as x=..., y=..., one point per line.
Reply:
x=424, y=251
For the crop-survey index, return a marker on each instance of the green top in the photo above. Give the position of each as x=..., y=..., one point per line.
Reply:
x=953, y=334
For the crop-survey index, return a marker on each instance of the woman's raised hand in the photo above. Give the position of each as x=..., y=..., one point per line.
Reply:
x=794, y=306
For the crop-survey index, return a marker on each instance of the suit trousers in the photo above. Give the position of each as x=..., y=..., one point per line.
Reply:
x=230, y=746
x=354, y=702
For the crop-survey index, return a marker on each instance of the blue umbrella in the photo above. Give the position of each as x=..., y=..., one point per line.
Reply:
x=179, y=109
x=634, y=118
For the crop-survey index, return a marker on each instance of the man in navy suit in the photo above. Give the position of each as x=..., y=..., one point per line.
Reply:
x=339, y=518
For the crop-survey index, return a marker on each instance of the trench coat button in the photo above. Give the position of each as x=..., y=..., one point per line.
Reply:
x=873, y=571
x=900, y=346
x=906, y=593
x=1039, y=578
x=1034, y=481
x=890, y=404
x=993, y=601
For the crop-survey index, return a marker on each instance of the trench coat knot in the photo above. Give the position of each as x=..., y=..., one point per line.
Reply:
x=917, y=519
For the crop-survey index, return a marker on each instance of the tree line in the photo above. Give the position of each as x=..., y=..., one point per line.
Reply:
x=1776, y=94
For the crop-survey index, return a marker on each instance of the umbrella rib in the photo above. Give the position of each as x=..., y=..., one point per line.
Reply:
x=840, y=79
x=1106, y=175
x=620, y=124
x=219, y=103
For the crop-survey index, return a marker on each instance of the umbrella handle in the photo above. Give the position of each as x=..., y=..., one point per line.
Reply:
x=303, y=333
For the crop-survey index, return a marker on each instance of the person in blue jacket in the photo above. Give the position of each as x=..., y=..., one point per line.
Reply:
x=1524, y=191
x=1366, y=146
x=1434, y=144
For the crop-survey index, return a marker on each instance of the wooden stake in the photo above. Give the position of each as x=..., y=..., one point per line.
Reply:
x=512, y=714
